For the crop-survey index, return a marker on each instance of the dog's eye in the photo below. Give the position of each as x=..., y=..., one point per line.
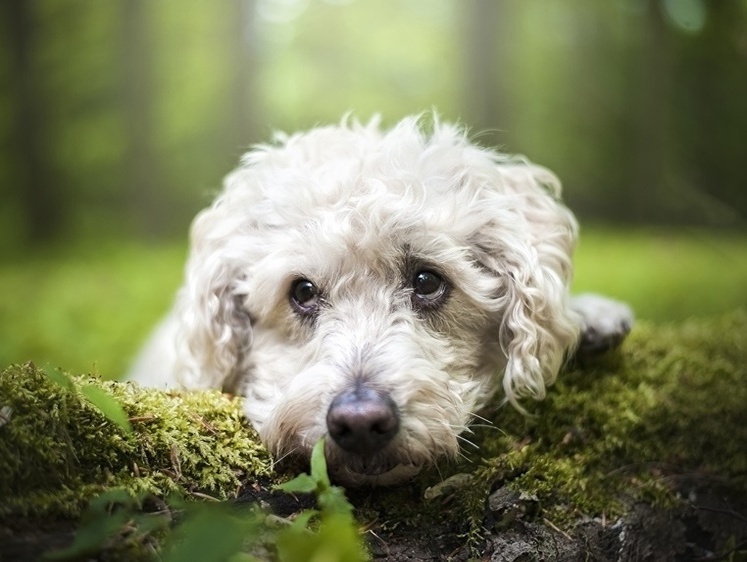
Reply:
x=304, y=296
x=429, y=288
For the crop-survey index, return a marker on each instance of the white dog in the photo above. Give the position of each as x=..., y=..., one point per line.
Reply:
x=378, y=289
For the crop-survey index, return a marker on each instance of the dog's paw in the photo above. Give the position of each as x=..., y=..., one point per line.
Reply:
x=604, y=323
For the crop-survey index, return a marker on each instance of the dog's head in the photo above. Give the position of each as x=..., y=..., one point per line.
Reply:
x=377, y=288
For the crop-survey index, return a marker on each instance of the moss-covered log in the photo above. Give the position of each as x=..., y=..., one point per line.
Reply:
x=57, y=449
x=640, y=455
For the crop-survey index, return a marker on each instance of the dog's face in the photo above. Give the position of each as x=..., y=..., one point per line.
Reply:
x=377, y=289
x=369, y=333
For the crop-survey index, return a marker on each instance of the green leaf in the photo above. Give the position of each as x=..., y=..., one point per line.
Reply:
x=301, y=522
x=106, y=514
x=108, y=405
x=336, y=541
x=333, y=502
x=212, y=533
x=147, y=523
x=339, y=537
x=243, y=557
x=102, y=504
x=319, y=465
x=60, y=378
x=301, y=484
x=91, y=537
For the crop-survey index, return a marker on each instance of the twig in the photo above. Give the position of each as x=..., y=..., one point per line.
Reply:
x=204, y=496
x=556, y=529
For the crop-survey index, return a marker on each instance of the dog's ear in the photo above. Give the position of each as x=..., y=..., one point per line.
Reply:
x=215, y=329
x=528, y=244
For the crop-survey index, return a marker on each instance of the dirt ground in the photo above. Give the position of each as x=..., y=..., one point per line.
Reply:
x=706, y=526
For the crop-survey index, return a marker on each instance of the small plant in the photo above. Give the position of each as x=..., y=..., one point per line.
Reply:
x=96, y=396
x=337, y=537
x=214, y=532
x=114, y=516
x=222, y=532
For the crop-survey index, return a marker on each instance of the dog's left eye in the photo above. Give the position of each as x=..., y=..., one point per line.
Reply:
x=429, y=287
x=304, y=296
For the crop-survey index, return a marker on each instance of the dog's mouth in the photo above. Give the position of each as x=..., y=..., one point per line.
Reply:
x=364, y=465
x=383, y=468
x=375, y=475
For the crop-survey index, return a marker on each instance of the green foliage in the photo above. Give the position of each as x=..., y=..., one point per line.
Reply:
x=115, y=520
x=113, y=514
x=108, y=405
x=337, y=538
x=331, y=498
x=214, y=533
x=735, y=552
x=97, y=397
x=188, y=86
x=63, y=447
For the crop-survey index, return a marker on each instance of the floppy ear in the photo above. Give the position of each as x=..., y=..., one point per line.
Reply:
x=215, y=331
x=529, y=242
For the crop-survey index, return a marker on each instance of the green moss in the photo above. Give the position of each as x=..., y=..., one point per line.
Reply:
x=670, y=406
x=57, y=450
x=672, y=403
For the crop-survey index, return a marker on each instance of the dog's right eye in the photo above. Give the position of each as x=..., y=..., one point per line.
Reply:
x=304, y=296
x=429, y=289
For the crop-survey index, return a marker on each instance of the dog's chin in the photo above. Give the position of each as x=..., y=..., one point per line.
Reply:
x=385, y=468
x=379, y=476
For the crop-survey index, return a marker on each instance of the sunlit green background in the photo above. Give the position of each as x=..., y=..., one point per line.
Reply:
x=118, y=120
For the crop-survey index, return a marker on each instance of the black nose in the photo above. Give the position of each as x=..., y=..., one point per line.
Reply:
x=362, y=420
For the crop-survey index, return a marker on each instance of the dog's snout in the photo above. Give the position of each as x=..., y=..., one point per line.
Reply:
x=362, y=420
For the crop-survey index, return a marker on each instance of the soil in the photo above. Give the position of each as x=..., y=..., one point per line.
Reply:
x=690, y=532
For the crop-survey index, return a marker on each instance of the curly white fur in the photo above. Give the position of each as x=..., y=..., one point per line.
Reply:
x=358, y=212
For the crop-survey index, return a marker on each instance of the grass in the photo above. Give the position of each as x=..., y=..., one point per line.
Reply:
x=88, y=309
x=665, y=275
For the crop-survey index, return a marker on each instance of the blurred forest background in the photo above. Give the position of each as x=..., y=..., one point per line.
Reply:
x=118, y=120
x=122, y=116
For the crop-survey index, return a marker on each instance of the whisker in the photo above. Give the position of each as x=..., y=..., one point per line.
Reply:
x=479, y=417
x=495, y=427
x=286, y=454
x=464, y=457
x=468, y=442
x=440, y=475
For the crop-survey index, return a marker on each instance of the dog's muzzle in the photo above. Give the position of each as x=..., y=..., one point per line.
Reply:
x=363, y=425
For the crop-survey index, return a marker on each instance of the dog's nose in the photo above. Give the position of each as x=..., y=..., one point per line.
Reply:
x=362, y=420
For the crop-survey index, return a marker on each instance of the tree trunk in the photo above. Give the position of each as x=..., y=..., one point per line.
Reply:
x=486, y=74
x=40, y=193
x=650, y=110
x=143, y=188
x=243, y=119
